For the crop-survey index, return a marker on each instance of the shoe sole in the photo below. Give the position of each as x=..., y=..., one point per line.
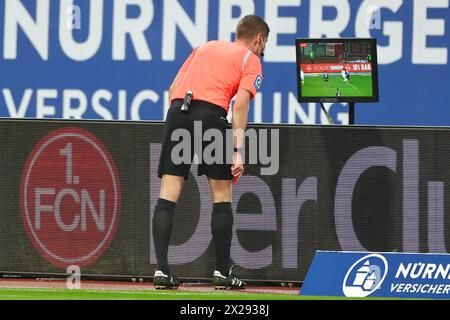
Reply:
x=228, y=288
x=220, y=287
x=165, y=288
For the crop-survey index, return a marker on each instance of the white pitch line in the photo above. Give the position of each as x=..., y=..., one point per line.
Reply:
x=349, y=84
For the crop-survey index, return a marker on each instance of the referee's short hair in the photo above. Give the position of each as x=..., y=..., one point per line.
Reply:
x=249, y=26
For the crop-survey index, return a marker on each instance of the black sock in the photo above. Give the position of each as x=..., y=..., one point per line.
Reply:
x=162, y=230
x=222, y=231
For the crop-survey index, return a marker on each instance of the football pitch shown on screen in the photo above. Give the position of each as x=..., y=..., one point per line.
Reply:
x=316, y=86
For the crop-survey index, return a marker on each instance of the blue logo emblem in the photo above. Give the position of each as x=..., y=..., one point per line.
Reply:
x=365, y=276
x=258, y=82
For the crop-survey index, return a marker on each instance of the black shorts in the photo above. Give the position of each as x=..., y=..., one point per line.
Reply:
x=209, y=116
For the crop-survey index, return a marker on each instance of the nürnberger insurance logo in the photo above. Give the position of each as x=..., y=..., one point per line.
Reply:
x=365, y=276
x=70, y=197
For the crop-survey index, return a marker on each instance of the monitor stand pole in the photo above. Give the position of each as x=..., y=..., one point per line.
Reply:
x=327, y=115
x=351, y=113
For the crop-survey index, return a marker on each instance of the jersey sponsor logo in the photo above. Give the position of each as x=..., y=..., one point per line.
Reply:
x=258, y=82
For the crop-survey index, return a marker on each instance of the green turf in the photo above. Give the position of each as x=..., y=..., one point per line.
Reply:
x=66, y=294
x=359, y=86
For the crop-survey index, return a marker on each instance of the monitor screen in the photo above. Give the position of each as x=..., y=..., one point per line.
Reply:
x=337, y=70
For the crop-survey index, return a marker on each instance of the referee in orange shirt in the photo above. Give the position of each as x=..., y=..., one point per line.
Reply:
x=214, y=73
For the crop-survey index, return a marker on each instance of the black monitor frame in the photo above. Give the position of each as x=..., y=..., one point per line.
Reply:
x=349, y=99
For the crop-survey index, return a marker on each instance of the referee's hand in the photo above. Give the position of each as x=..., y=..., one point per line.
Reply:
x=237, y=169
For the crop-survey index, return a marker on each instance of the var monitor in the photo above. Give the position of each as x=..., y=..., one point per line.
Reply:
x=337, y=70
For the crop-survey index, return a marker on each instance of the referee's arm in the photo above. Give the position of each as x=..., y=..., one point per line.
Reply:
x=240, y=116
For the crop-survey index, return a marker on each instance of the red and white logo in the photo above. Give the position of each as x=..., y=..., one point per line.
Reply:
x=70, y=197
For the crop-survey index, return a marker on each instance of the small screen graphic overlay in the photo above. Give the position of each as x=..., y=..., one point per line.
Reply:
x=337, y=70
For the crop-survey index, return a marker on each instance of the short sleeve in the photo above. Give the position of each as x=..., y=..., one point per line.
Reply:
x=252, y=75
x=188, y=61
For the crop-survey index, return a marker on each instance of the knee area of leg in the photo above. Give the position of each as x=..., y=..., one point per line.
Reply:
x=222, y=208
x=165, y=205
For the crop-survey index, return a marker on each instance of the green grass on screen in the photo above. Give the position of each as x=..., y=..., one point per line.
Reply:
x=359, y=86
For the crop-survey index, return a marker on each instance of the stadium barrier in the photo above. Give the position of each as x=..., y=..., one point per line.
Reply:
x=82, y=193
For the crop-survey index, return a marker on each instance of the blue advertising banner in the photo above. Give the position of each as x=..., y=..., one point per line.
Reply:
x=115, y=59
x=364, y=274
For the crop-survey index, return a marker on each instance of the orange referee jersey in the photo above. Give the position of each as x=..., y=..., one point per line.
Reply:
x=216, y=70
